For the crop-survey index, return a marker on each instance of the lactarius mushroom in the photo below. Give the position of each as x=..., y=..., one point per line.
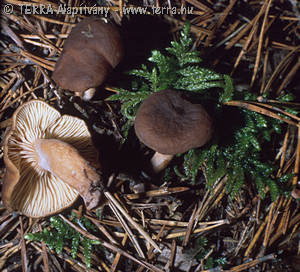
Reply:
x=49, y=160
x=169, y=124
x=90, y=52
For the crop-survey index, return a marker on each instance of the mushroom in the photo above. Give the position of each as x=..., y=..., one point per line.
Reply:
x=50, y=160
x=169, y=124
x=295, y=193
x=90, y=52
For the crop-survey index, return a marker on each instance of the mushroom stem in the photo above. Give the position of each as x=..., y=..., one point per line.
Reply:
x=160, y=161
x=88, y=94
x=64, y=161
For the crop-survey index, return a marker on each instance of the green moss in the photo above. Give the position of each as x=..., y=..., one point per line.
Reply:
x=237, y=147
x=61, y=234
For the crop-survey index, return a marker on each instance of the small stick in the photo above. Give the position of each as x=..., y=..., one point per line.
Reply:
x=280, y=66
x=204, y=206
x=48, y=36
x=102, y=229
x=41, y=61
x=195, y=29
x=277, y=211
x=225, y=14
x=291, y=223
x=260, y=43
x=190, y=227
x=80, y=230
x=23, y=247
x=252, y=24
x=111, y=89
x=44, y=254
x=118, y=255
x=256, y=236
x=247, y=265
x=38, y=44
x=297, y=161
x=276, y=109
x=7, y=86
x=124, y=253
x=150, y=253
x=12, y=35
x=183, y=233
x=173, y=253
x=136, y=225
x=261, y=110
x=121, y=8
x=79, y=266
x=127, y=229
x=288, y=77
x=265, y=67
x=159, y=192
x=183, y=224
x=245, y=48
x=8, y=253
x=49, y=20
x=200, y=5
x=268, y=229
x=19, y=97
x=110, y=246
x=278, y=45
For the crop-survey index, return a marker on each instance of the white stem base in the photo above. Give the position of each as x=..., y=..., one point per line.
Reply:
x=87, y=94
x=160, y=161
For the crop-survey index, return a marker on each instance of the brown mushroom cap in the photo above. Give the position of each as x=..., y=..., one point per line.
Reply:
x=169, y=124
x=28, y=187
x=92, y=49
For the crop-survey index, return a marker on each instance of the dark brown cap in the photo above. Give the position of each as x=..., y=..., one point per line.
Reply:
x=92, y=49
x=169, y=124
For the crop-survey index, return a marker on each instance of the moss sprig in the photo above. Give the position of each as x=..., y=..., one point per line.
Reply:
x=177, y=70
x=240, y=155
x=241, y=158
x=200, y=249
x=60, y=234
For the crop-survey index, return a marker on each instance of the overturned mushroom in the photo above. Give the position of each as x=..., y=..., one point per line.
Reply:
x=49, y=160
x=169, y=124
x=91, y=51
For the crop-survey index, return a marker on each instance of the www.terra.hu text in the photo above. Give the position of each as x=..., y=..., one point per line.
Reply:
x=47, y=9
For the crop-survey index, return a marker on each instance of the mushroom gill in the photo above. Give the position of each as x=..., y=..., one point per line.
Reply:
x=29, y=188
